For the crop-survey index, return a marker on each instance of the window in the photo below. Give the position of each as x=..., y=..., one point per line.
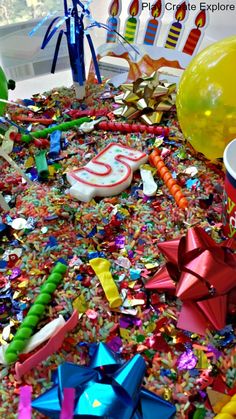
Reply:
x=15, y=11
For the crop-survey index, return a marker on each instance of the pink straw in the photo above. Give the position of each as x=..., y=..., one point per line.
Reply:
x=24, y=409
x=67, y=409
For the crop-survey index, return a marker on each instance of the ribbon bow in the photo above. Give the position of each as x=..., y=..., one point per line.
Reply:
x=146, y=98
x=106, y=388
x=201, y=272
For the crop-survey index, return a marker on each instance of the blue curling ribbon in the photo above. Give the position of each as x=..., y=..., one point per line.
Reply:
x=72, y=30
x=58, y=44
x=65, y=7
x=95, y=61
x=84, y=10
x=55, y=144
x=32, y=32
x=48, y=35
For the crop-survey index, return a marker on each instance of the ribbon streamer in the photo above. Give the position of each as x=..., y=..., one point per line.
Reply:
x=32, y=32
x=101, y=268
x=75, y=41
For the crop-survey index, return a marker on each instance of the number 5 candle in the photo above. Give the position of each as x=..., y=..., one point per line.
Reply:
x=173, y=37
x=132, y=23
x=107, y=174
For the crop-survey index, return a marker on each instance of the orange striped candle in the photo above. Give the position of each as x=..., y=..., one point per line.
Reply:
x=153, y=26
x=195, y=34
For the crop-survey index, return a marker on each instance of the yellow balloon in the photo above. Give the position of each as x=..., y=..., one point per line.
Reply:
x=229, y=408
x=206, y=99
x=223, y=416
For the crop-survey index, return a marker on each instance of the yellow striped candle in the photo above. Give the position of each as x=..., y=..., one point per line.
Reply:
x=132, y=22
x=173, y=35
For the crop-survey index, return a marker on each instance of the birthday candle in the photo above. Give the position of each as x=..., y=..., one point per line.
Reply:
x=107, y=174
x=113, y=21
x=195, y=35
x=132, y=22
x=154, y=26
x=173, y=37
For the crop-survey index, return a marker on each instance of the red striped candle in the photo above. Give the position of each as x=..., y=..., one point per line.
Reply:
x=195, y=34
x=192, y=41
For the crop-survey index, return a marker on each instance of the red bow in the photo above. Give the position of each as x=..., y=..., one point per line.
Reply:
x=201, y=272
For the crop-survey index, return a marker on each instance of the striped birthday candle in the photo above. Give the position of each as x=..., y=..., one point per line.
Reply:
x=154, y=24
x=113, y=20
x=195, y=35
x=132, y=23
x=176, y=28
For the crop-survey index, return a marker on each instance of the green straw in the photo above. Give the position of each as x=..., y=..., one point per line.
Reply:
x=65, y=126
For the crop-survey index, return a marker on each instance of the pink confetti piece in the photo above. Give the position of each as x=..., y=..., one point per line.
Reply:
x=24, y=409
x=67, y=409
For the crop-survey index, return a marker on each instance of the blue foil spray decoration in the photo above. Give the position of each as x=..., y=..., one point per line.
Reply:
x=107, y=388
x=72, y=26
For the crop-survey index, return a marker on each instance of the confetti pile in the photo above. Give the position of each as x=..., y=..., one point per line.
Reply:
x=45, y=226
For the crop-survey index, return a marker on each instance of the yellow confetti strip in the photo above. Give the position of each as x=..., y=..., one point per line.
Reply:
x=80, y=304
x=124, y=334
x=29, y=162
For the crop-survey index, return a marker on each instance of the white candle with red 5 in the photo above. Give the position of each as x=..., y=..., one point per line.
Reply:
x=107, y=174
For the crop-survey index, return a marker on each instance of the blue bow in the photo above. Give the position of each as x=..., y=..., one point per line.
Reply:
x=105, y=389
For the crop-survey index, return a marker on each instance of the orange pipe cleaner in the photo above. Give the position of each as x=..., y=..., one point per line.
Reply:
x=175, y=190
